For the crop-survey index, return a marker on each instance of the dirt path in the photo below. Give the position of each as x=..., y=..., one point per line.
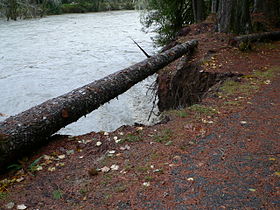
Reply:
x=223, y=153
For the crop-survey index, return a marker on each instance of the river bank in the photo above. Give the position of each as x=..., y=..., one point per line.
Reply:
x=220, y=153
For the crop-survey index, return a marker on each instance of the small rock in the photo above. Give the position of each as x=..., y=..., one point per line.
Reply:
x=98, y=143
x=126, y=147
x=139, y=128
x=105, y=169
x=190, y=179
x=21, y=206
x=152, y=166
x=112, y=152
x=106, y=134
x=115, y=167
x=118, y=141
x=115, y=138
x=10, y=205
x=121, y=133
x=81, y=157
x=243, y=122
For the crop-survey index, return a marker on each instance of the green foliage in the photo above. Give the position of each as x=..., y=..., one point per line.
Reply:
x=166, y=18
x=164, y=136
x=201, y=109
x=131, y=138
x=57, y=194
x=34, y=165
x=15, y=167
x=3, y=195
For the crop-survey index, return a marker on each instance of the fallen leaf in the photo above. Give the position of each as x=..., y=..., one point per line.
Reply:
x=168, y=143
x=106, y=134
x=10, y=205
x=105, y=169
x=252, y=190
x=267, y=82
x=126, y=147
x=190, y=179
x=98, y=143
x=61, y=157
x=273, y=159
x=146, y=184
x=115, y=167
x=277, y=173
x=243, y=122
x=21, y=206
x=46, y=157
x=51, y=169
x=20, y=179
x=112, y=152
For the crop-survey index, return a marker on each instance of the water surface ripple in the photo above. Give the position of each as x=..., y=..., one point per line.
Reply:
x=44, y=58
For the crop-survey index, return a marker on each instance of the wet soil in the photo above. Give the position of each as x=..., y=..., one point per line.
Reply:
x=223, y=153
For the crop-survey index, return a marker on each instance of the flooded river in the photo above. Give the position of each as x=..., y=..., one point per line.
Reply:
x=44, y=58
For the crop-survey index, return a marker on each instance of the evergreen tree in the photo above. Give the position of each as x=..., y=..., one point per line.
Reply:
x=166, y=18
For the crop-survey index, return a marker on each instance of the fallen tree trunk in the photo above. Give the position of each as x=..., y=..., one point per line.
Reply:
x=22, y=132
x=273, y=36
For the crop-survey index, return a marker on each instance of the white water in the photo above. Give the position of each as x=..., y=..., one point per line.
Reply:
x=44, y=58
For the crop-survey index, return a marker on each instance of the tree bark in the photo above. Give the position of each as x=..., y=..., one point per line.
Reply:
x=198, y=10
x=22, y=132
x=214, y=6
x=266, y=14
x=234, y=16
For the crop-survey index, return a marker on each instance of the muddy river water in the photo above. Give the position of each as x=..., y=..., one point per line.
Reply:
x=44, y=58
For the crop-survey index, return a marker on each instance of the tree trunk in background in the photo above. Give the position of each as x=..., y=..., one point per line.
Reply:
x=198, y=10
x=234, y=16
x=22, y=132
x=214, y=6
x=266, y=14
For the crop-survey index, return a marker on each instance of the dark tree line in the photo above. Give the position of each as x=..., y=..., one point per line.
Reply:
x=233, y=16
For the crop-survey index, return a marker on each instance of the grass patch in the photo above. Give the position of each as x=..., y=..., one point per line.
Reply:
x=268, y=74
x=164, y=136
x=142, y=169
x=201, y=109
x=57, y=194
x=3, y=195
x=148, y=178
x=232, y=103
x=231, y=88
x=131, y=138
x=106, y=178
x=250, y=84
x=268, y=45
x=181, y=113
x=120, y=188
